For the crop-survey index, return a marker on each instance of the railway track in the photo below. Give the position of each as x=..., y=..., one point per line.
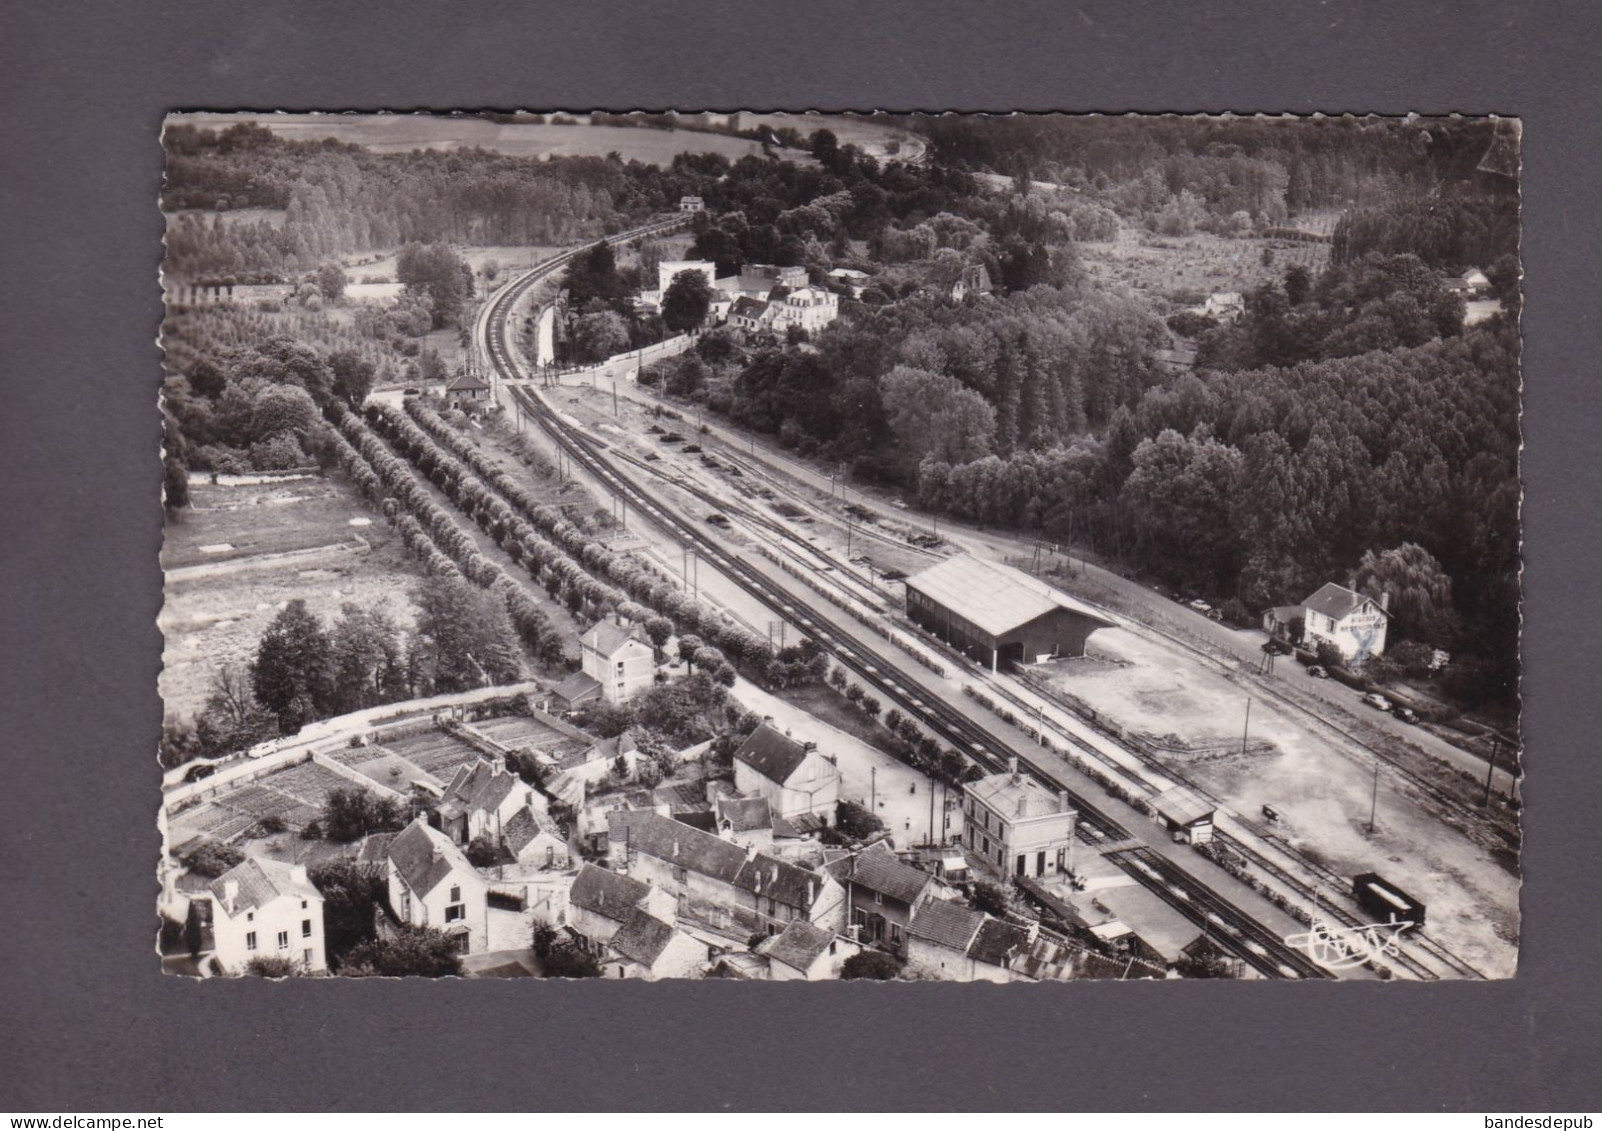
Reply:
x=1250, y=940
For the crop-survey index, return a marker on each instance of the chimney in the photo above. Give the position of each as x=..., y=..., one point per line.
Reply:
x=231, y=894
x=812, y=891
x=1385, y=600
x=1012, y=768
x=1067, y=806
x=297, y=873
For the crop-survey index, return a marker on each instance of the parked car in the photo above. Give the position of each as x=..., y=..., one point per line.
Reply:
x=1214, y=614
x=1377, y=701
x=899, y=504
x=1406, y=714
x=718, y=519
x=1317, y=671
x=197, y=772
x=1201, y=606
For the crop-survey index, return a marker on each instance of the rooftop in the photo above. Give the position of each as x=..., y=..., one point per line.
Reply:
x=946, y=923
x=996, y=597
x=771, y=753
x=607, y=893
x=480, y=786
x=425, y=856
x=878, y=870
x=1338, y=602
x=997, y=942
x=608, y=636
x=642, y=938
x=687, y=848
x=259, y=883
x=1017, y=796
x=779, y=880
x=798, y=945
x=1182, y=806
x=745, y=814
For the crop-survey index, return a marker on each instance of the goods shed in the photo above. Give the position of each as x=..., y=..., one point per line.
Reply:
x=994, y=613
x=1184, y=814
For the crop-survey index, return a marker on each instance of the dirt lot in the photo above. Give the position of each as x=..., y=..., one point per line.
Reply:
x=1322, y=792
x=283, y=540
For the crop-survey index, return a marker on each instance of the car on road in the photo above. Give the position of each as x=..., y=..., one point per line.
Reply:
x=1200, y=606
x=718, y=519
x=1317, y=671
x=197, y=772
x=1377, y=701
x=1406, y=714
x=1214, y=614
x=899, y=504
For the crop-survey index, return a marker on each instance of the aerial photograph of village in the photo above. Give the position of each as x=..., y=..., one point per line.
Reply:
x=1008, y=548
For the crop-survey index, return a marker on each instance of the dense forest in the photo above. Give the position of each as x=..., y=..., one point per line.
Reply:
x=1349, y=424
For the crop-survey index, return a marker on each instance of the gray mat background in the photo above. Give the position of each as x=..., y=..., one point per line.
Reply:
x=90, y=1025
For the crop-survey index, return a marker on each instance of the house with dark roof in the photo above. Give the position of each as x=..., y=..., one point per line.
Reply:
x=266, y=909
x=618, y=657
x=806, y=952
x=468, y=388
x=1353, y=622
x=431, y=884
x=746, y=821
x=794, y=777
x=997, y=948
x=1016, y=826
x=535, y=841
x=480, y=799
x=940, y=935
x=774, y=892
x=750, y=314
x=882, y=894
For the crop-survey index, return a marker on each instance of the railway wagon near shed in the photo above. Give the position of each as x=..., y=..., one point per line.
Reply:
x=994, y=613
x=1385, y=901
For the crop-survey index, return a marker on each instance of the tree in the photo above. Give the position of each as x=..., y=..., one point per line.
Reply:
x=659, y=630
x=330, y=279
x=1298, y=284
x=211, y=858
x=465, y=638
x=992, y=899
x=352, y=894
x=353, y=376
x=408, y=952
x=870, y=965
x=689, y=645
x=175, y=483
x=1420, y=591
x=437, y=274
x=599, y=335
x=485, y=851
x=270, y=967
x=933, y=416
x=292, y=675
x=368, y=660
x=686, y=301
x=350, y=813
x=856, y=821
x=566, y=960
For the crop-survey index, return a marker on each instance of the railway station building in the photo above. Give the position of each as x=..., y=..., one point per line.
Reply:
x=1017, y=826
x=993, y=613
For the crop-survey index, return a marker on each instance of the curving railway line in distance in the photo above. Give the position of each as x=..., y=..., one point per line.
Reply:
x=1250, y=940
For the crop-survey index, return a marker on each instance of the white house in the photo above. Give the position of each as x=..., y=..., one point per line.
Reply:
x=666, y=272
x=796, y=780
x=1226, y=306
x=535, y=841
x=481, y=798
x=851, y=281
x=810, y=308
x=619, y=659
x=747, y=821
x=1017, y=826
x=647, y=947
x=431, y=884
x=267, y=909
x=691, y=204
x=1353, y=622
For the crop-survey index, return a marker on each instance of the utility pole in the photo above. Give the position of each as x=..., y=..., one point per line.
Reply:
x=932, y=840
x=873, y=789
x=1490, y=769
x=1247, y=728
x=1373, y=802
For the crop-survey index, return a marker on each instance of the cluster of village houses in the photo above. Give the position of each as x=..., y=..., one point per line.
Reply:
x=691, y=877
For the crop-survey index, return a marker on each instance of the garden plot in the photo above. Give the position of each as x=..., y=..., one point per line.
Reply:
x=522, y=733
x=1201, y=263
x=1322, y=790
x=287, y=540
x=388, y=769
x=434, y=753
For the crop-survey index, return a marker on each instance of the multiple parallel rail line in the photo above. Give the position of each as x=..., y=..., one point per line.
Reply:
x=1233, y=928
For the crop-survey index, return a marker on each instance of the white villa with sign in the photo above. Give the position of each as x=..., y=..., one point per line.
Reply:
x=1353, y=622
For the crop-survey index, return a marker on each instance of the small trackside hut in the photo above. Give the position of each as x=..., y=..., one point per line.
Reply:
x=995, y=614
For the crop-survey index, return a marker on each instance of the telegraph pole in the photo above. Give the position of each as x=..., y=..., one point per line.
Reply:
x=1490, y=769
x=1373, y=804
x=1245, y=730
x=873, y=789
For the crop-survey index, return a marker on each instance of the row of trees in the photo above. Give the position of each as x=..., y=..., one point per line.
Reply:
x=556, y=547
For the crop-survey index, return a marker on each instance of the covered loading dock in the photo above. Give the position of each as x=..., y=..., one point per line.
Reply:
x=994, y=613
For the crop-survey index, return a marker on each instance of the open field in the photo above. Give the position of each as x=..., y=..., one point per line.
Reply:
x=241, y=553
x=400, y=133
x=1322, y=792
x=1160, y=265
